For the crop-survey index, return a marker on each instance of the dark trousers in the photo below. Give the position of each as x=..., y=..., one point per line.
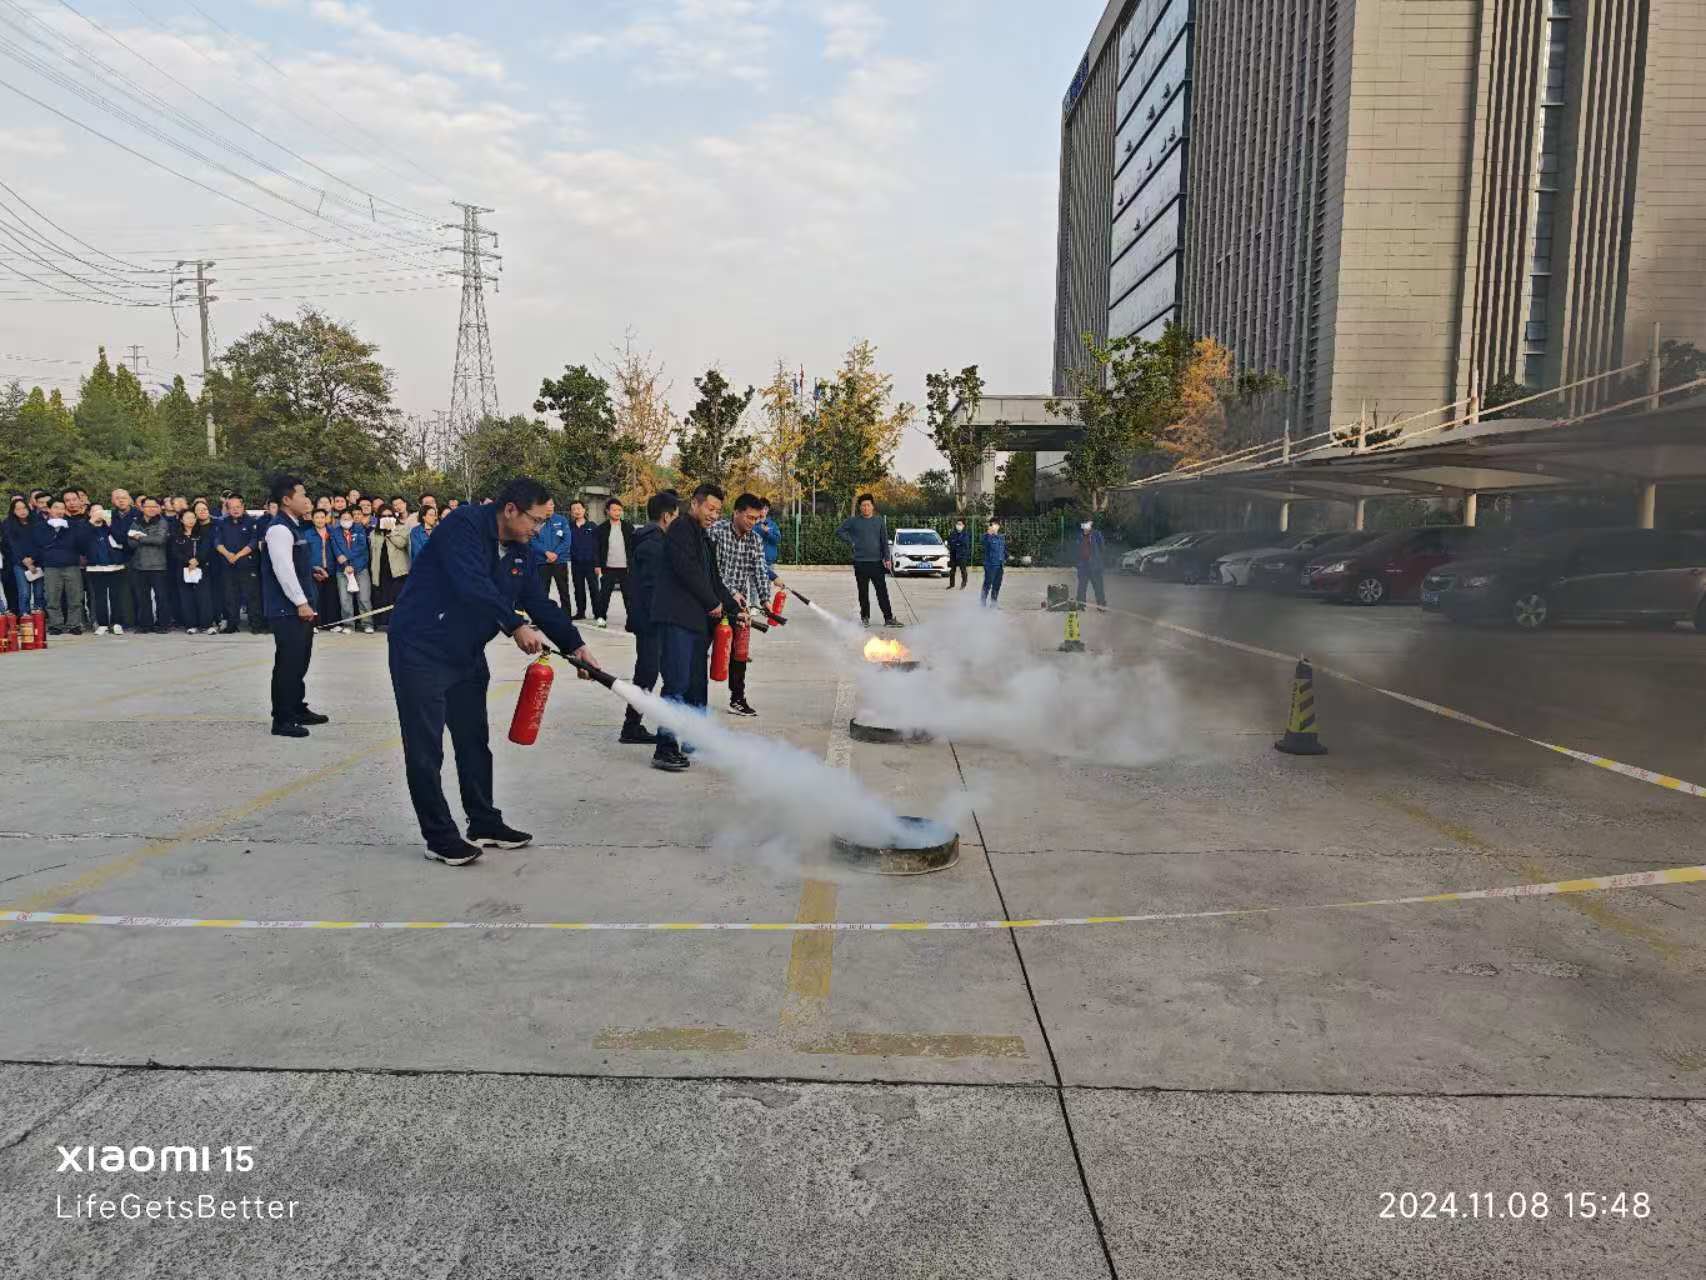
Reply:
x=870, y=574
x=1090, y=575
x=324, y=598
x=959, y=567
x=557, y=572
x=586, y=583
x=992, y=583
x=242, y=587
x=195, y=603
x=647, y=656
x=386, y=588
x=737, y=680
x=430, y=697
x=108, y=595
x=151, y=597
x=683, y=658
x=293, y=650
x=614, y=580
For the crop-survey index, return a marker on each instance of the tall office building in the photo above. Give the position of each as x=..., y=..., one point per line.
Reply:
x=1394, y=203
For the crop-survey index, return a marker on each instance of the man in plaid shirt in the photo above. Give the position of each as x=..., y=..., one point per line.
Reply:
x=745, y=572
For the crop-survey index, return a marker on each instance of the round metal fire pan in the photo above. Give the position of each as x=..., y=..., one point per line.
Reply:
x=923, y=847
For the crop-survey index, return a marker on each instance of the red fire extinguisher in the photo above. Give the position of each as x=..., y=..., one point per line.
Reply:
x=40, y=619
x=530, y=706
x=780, y=600
x=721, y=642
x=28, y=630
x=741, y=650
x=6, y=629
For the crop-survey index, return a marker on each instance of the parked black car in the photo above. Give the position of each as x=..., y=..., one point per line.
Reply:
x=1281, y=570
x=1649, y=576
x=1188, y=563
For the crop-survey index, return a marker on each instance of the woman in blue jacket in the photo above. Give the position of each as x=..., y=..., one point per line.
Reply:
x=103, y=568
x=190, y=548
x=421, y=532
x=18, y=532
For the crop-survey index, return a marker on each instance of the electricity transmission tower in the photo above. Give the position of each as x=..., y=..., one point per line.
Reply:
x=474, y=385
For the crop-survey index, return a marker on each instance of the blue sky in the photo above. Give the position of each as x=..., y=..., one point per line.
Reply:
x=737, y=181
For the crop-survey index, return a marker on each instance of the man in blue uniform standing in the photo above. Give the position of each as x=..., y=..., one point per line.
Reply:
x=477, y=571
x=290, y=618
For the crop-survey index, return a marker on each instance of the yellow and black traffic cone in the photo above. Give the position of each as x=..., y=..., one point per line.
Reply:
x=1302, y=738
x=1074, y=642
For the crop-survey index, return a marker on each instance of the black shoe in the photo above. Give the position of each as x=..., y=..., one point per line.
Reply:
x=56, y=631
x=673, y=763
x=288, y=729
x=499, y=837
x=230, y=631
x=896, y=623
x=741, y=707
x=864, y=622
x=635, y=734
x=457, y=854
x=76, y=631
x=305, y=716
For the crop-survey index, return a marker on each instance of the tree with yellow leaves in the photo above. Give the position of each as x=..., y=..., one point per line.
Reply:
x=1205, y=373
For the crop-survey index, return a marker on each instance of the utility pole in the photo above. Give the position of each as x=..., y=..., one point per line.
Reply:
x=474, y=382
x=136, y=360
x=202, y=280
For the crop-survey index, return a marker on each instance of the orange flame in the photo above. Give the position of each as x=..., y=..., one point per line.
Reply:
x=879, y=650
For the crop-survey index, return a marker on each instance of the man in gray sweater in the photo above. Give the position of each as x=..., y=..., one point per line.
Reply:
x=869, y=539
x=151, y=595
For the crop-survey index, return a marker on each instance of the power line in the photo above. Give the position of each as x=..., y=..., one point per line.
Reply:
x=284, y=75
x=371, y=197
x=397, y=245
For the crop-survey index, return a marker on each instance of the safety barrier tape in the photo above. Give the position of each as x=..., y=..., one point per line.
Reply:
x=1652, y=776
x=1593, y=884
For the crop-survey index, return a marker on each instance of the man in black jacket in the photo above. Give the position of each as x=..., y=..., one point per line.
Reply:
x=615, y=559
x=646, y=564
x=689, y=600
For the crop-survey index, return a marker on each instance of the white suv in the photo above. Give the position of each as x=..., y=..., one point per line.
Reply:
x=918, y=551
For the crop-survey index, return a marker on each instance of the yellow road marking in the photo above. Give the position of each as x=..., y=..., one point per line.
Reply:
x=805, y=1000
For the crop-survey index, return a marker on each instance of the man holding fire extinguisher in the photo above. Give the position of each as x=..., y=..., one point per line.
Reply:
x=690, y=599
x=742, y=566
x=478, y=572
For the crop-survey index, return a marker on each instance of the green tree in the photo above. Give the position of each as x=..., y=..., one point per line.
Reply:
x=114, y=416
x=308, y=396
x=937, y=488
x=951, y=402
x=590, y=447
x=855, y=429
x=1016, y=485
x=710, y=440
x=497, y=450
x=40, y=442
x=1128, y=396
x=1508, y=391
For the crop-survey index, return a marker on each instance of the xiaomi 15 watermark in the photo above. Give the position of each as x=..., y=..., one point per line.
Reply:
x=167, y=1198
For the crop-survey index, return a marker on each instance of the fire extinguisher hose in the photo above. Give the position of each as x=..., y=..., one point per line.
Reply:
x=585, y=668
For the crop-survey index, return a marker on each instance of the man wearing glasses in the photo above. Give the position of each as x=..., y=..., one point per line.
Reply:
x=477, y=573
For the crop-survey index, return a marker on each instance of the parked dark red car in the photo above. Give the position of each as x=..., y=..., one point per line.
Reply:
x=1391, y=568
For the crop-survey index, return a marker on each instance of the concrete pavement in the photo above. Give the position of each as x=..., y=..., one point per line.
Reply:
x=1215, y=1094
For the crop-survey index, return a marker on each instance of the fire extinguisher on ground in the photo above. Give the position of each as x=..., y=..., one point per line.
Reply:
x=39, y=619
x=530, y=706
x=722, y=641
x=5, y=631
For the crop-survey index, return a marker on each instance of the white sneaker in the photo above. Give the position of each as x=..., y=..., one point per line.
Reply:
x=100, y=631
x=603, y=624
x=117, y=630
x=340, y=630
x=367, y=631
x=190, y=631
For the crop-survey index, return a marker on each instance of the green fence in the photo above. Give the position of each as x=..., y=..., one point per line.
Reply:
x=810, y=539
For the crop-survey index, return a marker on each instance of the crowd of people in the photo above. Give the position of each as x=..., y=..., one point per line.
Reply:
x=147, y=564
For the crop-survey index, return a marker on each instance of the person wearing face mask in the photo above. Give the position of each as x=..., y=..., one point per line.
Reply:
x=1091, y=545
x=353, y=554
x=959, y=553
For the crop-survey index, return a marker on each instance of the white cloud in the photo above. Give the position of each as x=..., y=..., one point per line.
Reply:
x=33, y=142
x=454, y=53
x=689, y=42
x=852, y=29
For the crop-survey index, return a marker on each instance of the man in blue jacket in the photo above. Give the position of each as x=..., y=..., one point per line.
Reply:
x=583, y=559
x=59, y=552
x=994, y=564
x=477, y=570
x=662, y=510
x=1091, y=545
x=959, y=553
x=353, y=553
x=237, y=548
x=552, y=543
